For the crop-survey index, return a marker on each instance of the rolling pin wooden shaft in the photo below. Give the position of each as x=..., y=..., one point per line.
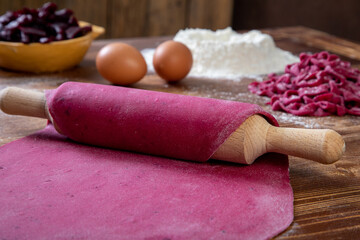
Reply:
x=252, y=139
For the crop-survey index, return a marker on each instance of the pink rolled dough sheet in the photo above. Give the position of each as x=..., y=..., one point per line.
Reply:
x=54, y=188
x=171, y=125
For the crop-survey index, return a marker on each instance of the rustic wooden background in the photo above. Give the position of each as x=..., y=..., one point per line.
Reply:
x=135, y=18
x=337, y=17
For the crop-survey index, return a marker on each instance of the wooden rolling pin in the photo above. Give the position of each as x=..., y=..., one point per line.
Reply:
x=252, y=139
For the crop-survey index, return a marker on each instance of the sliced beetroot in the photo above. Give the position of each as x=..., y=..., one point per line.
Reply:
x=46, y=39
x=25, y=19
x=59, y=27
x=33, y=31
x=49, y=7
x=73, y=32
x=12, y=25
x=7, y=17
x=43, y=25
x=64, y=14
x=86, y=29
x=25, y=38
x=72, y=21
x=319, y=85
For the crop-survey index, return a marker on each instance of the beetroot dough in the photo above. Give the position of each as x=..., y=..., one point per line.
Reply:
x=171, y=125
x=53, y=188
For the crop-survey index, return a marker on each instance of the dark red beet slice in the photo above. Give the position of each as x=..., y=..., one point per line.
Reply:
x=73, y=32
x=33, y=31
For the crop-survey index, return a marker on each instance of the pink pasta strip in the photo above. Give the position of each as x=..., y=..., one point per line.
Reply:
x=319, y=85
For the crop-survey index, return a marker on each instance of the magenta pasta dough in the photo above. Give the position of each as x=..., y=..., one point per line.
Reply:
x=319, y=85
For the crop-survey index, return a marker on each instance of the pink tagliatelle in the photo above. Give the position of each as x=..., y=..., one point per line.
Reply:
x=319, y=85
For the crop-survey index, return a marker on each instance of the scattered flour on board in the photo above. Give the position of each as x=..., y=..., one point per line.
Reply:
x=227, y=54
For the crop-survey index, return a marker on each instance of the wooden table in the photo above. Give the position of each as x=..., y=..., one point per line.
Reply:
x=327, y=197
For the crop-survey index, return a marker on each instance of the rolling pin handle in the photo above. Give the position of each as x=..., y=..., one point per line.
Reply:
x=320, y=145
x=256, y=136
x=17, y=101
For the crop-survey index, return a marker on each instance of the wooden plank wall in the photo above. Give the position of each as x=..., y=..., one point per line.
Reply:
x=135, y=18
x=340, y=18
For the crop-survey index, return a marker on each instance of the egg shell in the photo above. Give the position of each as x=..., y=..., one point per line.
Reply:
x=121, y=64
x=172, y=60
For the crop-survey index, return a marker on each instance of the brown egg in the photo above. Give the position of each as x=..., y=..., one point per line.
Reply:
x=121, y=64
x=172, y=61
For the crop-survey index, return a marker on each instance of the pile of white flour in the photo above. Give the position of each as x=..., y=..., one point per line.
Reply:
x=230, y=55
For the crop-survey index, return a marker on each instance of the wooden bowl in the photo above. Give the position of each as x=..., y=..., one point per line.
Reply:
x=47, y=57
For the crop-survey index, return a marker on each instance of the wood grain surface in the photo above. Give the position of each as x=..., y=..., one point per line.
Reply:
x=326, y=197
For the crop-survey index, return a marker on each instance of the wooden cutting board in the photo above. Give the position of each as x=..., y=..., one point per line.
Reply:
x=327, y=197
